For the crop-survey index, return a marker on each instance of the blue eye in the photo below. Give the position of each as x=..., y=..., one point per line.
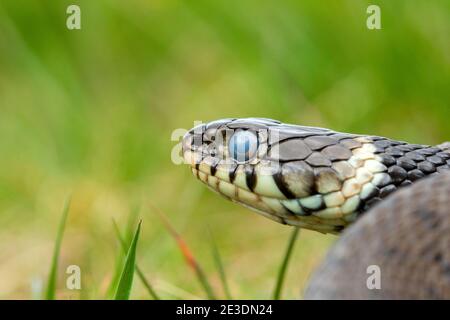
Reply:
x=243, y=146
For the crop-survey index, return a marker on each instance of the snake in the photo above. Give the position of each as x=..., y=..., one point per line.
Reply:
x=322, y=180
x=404, y=241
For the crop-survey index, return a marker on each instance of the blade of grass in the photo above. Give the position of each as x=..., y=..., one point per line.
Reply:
x=284, y=264
x=139, y=272
x=51, y=282
x=219, y=265
x=126, y=278
x=187, y=253
x=131, y=221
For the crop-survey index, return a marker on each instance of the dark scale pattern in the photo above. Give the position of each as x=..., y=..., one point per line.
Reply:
x=398, y=174
x=307, y=156
x=416, y=174
x=387, y=190
x=406, y=163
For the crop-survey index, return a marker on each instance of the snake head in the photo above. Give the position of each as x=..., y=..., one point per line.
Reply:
x=307, y=177
x=262, y=164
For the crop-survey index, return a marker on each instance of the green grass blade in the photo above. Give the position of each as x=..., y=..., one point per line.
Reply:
x=139, y=272
x=284, y=264
x=220, y=268
x=204, y=281
x=51, y=282
x=126, y=278
x=131, y=221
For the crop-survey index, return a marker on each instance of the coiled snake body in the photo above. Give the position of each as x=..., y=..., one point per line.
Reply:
x=323, y=180
x=406, y=237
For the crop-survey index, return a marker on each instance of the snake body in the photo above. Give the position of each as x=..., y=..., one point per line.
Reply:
x=307, y=177
x=406, y=238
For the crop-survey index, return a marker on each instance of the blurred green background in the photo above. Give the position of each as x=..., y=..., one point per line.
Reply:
x=91, y=112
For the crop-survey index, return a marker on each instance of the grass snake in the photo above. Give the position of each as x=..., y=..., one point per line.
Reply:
x=323, y=180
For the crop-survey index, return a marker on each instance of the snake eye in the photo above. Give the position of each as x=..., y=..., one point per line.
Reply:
x=243, y=146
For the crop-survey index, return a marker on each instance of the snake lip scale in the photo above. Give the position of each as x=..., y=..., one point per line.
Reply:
x=308, y=177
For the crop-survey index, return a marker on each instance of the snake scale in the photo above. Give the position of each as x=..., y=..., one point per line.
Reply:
x=323, y=180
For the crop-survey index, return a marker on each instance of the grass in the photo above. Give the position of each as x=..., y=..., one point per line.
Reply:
x=128, y=267
x=120, y=257
x=52, y=277
x=125, y=283
x=139, y=271
x=283, y=267
x=125, y=280
x=220, y=267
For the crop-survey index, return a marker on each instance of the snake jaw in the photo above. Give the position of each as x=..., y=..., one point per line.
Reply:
x=308, y=177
